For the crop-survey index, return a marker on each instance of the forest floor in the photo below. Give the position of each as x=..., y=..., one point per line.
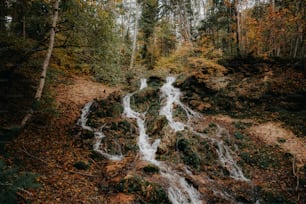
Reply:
x=273, y=133
x=47, y=147
x=50, y=148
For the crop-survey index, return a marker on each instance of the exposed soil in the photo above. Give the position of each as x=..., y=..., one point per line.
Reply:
x=274, y=134
x=70, y=98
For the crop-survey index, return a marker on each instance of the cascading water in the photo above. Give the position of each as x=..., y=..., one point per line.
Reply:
x=143, y=83
x=171, y=97
x=97, y=133
x=84, y=117
x=179, y=190
x=146, y=149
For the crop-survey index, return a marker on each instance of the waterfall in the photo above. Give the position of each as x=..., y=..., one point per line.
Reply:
x=170, y=97
x=179, y=191
x=98, y=134
x=143, y=83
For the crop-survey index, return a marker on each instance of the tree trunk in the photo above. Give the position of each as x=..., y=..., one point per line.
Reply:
x=3, y=12
x=24, y=27
x=272, y=4
x=237, y=22
x=135, y=37
x=40, y=88
x=296, y=47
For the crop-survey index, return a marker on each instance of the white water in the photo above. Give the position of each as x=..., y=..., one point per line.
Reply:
x=179, y=191
x=143, y=83
x=97, y=133
x=83, y=120
x=171, y=96
x=147, y=150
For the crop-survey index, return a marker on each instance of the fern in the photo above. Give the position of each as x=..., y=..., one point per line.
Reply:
x=11, y=182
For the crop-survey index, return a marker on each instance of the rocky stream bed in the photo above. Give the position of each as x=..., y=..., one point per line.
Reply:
x=218, y=153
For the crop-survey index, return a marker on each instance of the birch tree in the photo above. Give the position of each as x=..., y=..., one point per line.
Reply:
x=138, y=7
x=41, y=85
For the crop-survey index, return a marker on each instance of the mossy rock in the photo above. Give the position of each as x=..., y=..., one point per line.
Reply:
x=96, y=156
x=151, y=169
x=86, y=134
x=145, y=191
x=238, y=135
x=189, y=156
x=156, y=124
x=125, y=125
x=155, y=81
x=81, y=165
x=183, y=145
x=154, y=109
x=273, y=197
x=192, y=159
x=115, y=111
x=261, y=159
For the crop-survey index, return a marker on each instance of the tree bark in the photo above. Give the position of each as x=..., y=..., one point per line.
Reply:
x=135, y=36
x=40, y=88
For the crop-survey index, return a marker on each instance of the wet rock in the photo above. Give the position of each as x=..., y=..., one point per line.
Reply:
x=156, y=124
x=155, y=81
x=146, y=192
x=167, y=142
x=203, y=107
x=151, y=169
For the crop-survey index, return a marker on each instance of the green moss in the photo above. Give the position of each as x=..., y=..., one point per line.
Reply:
x=145, y=191
x=212, y=125
x=115, y=110
x=281, y=140
x=241, y=125
x=124, y=125
x=183, y=145
x=238, y=135
x=192, y=159
x=268, y=197
x=151, y=169
x=189, y=156
x=261, y=158
x=86, y=134
x=81, y=165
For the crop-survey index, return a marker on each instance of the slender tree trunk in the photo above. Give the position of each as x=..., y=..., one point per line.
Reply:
x=49, y=52
x=272, y=4
x=2, y=15
x=237, y=22
x=135, y=37
x=296, y=48
x=40, y=88
x=24, y=27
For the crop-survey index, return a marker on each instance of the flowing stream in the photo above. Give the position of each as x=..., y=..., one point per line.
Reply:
x=171, y=97
x=179, y=190
x=97, y=133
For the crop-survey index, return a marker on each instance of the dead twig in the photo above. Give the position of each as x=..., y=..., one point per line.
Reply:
x=295, y=171
x=56, y=165
x=32, y=156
